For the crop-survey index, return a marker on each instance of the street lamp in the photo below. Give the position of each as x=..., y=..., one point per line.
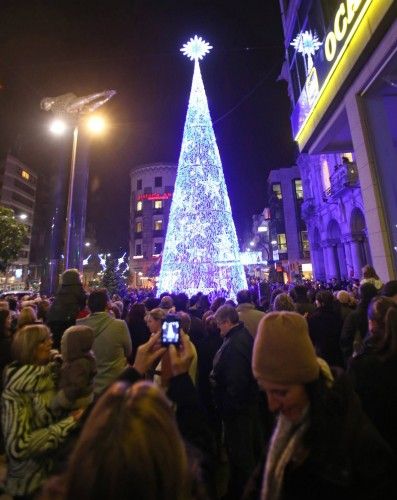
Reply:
x=69, y=107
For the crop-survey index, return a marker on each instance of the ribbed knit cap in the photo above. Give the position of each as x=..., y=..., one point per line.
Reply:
x=283, y=352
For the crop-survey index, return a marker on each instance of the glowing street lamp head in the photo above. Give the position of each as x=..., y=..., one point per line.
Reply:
x=23, y=216
x=58, y=127
x=96, y=124
x=196, y=48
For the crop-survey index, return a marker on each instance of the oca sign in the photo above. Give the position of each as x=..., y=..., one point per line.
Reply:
x=345, y=14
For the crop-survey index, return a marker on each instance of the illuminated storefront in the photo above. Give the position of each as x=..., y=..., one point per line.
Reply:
x=342, y=76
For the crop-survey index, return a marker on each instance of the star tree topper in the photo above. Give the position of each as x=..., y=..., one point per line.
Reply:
x=307, y=44
x=196, y=48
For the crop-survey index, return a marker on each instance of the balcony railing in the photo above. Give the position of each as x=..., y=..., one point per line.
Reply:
x=344, y=177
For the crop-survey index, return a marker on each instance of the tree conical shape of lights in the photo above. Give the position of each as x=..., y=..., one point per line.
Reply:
x=201, y=251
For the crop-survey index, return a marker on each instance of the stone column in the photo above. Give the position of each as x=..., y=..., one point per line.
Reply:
x=357, y=257
x=329, y=260
x=349, y=258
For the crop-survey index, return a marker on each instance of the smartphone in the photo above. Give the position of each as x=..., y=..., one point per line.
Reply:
x=170, y=331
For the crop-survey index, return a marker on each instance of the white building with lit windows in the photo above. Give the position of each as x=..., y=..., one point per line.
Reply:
x=18, y=185
x=341, y=69
x=152, y=186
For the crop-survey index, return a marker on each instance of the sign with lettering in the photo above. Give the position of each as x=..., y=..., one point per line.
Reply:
x=154, y=196
x=345, y=23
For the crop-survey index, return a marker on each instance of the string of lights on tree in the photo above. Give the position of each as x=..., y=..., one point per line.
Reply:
x=201, y=251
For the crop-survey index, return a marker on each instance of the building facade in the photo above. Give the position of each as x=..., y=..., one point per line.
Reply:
x=341, y=68
x=152, y=186
x=289, y=246
x=18, y=185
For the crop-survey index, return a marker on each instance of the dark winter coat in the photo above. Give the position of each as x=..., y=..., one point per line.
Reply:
x=355, y=323
x=344, y=457
x=325, y=329
x=375, y=381
x=234, y=386
x=69, y=300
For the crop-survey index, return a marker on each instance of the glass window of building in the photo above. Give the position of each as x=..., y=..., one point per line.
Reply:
x=158, y=182
x=138, y=249
x=349, y=156
x=158, y=248
x=139, y=206
x=305, y=241
x=158, y=225
x=138, y=227
x=298, y=189
x=276, y=188
x=325, y=174
x=282, y=243
x=139, y=184
x=158, y=204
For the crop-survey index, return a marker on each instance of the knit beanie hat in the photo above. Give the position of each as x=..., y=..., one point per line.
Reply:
x=283, y=352
x=71, y=277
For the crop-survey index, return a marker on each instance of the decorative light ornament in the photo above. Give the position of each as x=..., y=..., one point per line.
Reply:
x=201, y=251
x=85, y=261
x=102, y=260
x=307, y=44
x=120, y=261
x=196, y=48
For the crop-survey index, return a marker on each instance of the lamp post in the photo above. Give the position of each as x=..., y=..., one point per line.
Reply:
x=69, y=107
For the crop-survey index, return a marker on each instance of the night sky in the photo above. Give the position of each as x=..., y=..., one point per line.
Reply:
x=51, y=47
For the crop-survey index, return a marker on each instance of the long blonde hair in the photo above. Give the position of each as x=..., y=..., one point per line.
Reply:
x=130, y=447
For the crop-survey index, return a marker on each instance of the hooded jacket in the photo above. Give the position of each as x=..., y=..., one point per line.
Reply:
x=78, y=368
x=112, y=346
x=31, y=431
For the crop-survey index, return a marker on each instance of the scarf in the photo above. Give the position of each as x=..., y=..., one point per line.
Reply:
x=285, y=442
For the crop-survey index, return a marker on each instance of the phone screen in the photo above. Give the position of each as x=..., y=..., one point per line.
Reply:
x=170, y=332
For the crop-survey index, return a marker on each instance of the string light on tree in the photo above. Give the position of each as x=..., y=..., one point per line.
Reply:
x=201, y=250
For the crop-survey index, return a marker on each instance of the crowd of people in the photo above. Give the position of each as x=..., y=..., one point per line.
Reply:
x=288, y=392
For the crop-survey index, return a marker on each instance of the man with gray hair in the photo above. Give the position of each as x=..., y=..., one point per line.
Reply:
x=237, y=398
x=247, y=312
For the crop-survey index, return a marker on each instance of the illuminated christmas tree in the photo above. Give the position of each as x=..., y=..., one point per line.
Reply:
x=201, y=251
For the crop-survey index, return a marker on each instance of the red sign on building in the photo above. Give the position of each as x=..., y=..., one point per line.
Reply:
x=154, y=196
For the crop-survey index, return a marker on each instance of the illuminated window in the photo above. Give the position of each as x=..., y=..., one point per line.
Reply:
x=139, y=206
x=138, y=227
x=158, y=225
x=139, y=184
x=325, y=174
x=298, y=189
x=25, y=175
x=276, y=188
x=158, y=204
x=138, y=249
x=158, y=182
x=305, y=241
x=158, y=248
x=282, y=243
x=348, y=156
